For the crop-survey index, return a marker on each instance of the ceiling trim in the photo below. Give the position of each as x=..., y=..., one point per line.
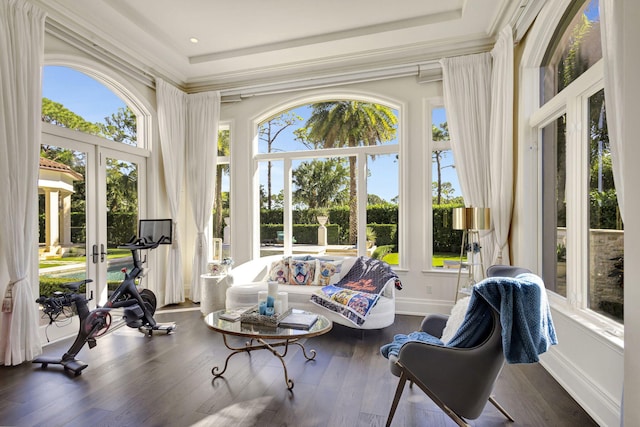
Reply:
x=365, y=64
x=96, y=52
x=331, y=37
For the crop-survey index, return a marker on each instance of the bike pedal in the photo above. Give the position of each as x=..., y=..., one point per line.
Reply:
x=92, y=342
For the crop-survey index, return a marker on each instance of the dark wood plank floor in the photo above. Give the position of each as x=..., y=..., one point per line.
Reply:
x=166, y=380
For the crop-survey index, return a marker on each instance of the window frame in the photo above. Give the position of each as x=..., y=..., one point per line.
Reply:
x=573, y=101
x=361, y=153
x=432, y=104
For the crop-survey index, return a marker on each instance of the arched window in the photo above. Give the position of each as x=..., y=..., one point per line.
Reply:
x=336, y=159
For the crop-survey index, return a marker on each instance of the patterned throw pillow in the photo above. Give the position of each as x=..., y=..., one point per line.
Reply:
x=327, y=272
x=279, y=271
x=301, y=272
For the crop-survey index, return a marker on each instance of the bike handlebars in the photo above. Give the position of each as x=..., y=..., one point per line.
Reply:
x=143, y=243
x=55, y=303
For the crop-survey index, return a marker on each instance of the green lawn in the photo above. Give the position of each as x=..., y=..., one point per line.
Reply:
x=55, y=262
x=438, y=258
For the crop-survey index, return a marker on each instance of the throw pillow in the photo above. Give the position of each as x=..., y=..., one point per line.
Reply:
x=327, y=272
x=301, y=272
x=279, y=271
x=455, y=320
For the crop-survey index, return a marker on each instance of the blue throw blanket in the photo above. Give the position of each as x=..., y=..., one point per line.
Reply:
x=525, y=317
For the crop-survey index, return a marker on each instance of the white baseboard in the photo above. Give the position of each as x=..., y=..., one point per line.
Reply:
x=600, y=405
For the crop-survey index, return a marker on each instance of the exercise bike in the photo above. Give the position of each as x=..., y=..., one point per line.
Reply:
x=139, y=308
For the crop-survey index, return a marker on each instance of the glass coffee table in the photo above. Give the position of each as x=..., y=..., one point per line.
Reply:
x=265, y=337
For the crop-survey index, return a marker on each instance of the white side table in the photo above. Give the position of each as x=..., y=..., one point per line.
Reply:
x=214, y=293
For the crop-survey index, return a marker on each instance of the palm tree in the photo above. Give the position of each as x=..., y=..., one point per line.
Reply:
x=319, y=183
x=439, y=134
x=351, y=124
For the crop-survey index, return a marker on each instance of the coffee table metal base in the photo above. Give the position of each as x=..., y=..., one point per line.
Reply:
x=263, y=345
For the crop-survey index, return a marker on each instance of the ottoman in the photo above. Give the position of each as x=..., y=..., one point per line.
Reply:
x=244, y=295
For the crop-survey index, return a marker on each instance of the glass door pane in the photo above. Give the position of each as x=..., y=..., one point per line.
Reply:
x=121, y=175
x=382, y=207
x=62, y=226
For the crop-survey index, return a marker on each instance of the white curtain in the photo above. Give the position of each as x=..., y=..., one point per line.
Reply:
x=202, y=152
x=21, y=58
x=610, y=30
x=467, y=97
x=501, y=143
x=172, y=113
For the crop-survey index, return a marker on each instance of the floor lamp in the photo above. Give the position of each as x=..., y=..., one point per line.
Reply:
x=470, y=221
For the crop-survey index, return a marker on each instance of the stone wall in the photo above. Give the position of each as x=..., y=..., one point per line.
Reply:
x=605, y=293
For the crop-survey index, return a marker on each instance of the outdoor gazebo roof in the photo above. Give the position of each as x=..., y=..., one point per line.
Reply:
x=54, y=176
x=48, y=164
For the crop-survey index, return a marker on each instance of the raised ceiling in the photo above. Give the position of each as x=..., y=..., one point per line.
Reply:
x=247, y=41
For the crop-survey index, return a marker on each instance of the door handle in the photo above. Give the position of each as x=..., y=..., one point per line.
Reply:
x=102, y=253
x=94, y=254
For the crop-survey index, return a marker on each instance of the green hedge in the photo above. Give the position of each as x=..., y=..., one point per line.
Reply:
x=383, y=219
x=386, y=234
x=49, y=285
x=445, y=239
x=382, y=214
x=302, y=233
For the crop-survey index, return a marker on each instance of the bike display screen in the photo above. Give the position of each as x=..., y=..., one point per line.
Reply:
x=155, y=229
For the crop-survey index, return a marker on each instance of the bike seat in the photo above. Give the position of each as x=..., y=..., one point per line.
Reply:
x=74, y=286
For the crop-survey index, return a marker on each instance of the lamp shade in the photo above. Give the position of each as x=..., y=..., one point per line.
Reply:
x=480, y=218
x=471, y=219
x=460, y=219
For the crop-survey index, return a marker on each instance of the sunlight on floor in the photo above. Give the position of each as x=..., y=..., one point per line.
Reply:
x=242, y=414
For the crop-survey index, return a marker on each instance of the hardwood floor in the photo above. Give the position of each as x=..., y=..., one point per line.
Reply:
x=166, y=380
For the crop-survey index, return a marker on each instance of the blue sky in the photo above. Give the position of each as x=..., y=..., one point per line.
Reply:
x=93, y=101
x=79, y=93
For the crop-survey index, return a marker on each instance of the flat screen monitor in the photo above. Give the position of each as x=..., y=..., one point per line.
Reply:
x=155, y=229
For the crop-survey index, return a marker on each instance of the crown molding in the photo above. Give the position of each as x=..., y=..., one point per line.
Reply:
x=331, y=37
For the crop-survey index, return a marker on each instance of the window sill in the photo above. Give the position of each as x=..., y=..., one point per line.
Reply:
x=600, y=326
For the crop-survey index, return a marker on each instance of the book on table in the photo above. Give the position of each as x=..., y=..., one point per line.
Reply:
x=234, y=314
x=298, y=320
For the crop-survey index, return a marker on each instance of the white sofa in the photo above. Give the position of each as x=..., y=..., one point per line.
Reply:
x=244, y=281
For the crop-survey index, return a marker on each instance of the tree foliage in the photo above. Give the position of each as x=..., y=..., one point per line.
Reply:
x=120, y=127
x=350, y=124
x=320, y=183
x=55, y=113
x=121, y=176
x=221, y=203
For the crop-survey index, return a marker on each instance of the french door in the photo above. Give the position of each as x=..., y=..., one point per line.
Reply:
x=90, y=199
x=120, y=180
